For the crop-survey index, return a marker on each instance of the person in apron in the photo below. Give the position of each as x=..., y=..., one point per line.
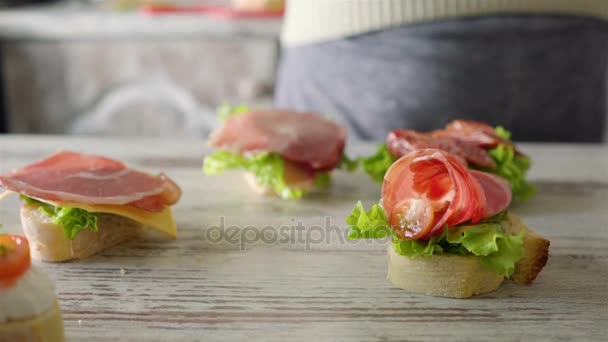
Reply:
x=536, y=67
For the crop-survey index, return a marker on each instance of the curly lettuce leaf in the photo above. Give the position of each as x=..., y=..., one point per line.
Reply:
x=268, y=169
x=511, y=167
x=412, y=248
x=221, y=161
x=372, y=224
x=377, y=164
x=226, y=110
x=497, y=250
x=72, y=220
x=322, y=180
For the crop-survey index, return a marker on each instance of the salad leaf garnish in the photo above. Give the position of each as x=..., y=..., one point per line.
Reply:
x=377, y=164
x=72, y=220
x=372, y=224
x=267, y=167
x=513, y=168
x=226, y=110
x=322, y=180
x=497, y=250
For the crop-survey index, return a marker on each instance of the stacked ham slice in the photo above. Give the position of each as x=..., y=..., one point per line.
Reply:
x=467, y=140
x=74, y=177
x=429, y=189
x=305, y=139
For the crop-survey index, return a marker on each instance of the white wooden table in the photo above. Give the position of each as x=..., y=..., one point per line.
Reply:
x=312, y=285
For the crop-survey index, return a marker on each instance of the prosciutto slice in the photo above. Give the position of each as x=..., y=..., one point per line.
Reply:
x=474, y=133
x=403, y=141
x=428, y=189
x=74, y=177
x=302, y=138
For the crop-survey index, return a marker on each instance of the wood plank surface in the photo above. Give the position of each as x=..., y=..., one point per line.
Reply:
x=283, y=270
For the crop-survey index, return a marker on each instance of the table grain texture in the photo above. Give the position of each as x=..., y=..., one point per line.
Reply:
x=284, y=272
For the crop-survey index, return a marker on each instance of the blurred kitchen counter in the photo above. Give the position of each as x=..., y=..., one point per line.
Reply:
x=83, y=70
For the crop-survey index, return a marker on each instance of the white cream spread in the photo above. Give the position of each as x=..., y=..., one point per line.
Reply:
x=32, y=295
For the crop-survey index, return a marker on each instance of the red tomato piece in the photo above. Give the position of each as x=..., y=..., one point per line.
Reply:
x=14, y=258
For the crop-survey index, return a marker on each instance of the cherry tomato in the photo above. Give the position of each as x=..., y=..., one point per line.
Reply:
x=14, y=258
x=412, y=218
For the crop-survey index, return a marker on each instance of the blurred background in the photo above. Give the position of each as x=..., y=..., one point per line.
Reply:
x=133, y=68
x=138, y=67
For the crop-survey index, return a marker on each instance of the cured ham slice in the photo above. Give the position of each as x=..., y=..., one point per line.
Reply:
x=496, y=189
x=475, y=133
x=74, y=177
x=404, y=141
x=302, y=138
x=429, y=189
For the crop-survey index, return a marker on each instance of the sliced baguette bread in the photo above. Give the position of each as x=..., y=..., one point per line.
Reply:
x=451, y=276
x=463, y=276
x=260, y=189
x=49, y=243
x=46, y=327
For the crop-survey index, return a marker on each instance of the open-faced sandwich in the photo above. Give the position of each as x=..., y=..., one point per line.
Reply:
x=29, y=310
x=284, y=153
x=477, y=144
x=76, y=205
x=450, y=231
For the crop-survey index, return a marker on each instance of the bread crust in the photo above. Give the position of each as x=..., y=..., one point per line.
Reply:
x=48, y=242
x=536, y=252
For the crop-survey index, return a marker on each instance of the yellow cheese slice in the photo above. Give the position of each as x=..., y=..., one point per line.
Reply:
x=161, y=221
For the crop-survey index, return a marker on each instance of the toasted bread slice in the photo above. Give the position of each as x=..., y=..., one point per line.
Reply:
x=48, y=242
x=45, y=327
x=536, y=252
x=464, y=276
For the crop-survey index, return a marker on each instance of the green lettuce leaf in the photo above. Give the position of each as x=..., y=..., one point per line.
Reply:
x=372, y=224
x=412, y=248
x=322, y=180
x=72, y=220
x=511, y=167
x=226, y=110
x=221, y=161
x=267, y=168
x=497, y=250
x=377, y=164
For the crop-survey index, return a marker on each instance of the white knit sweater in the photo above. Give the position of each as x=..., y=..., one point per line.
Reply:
x=309, y=21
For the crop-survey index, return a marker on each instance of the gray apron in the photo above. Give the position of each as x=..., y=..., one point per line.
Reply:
x=542, y=77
